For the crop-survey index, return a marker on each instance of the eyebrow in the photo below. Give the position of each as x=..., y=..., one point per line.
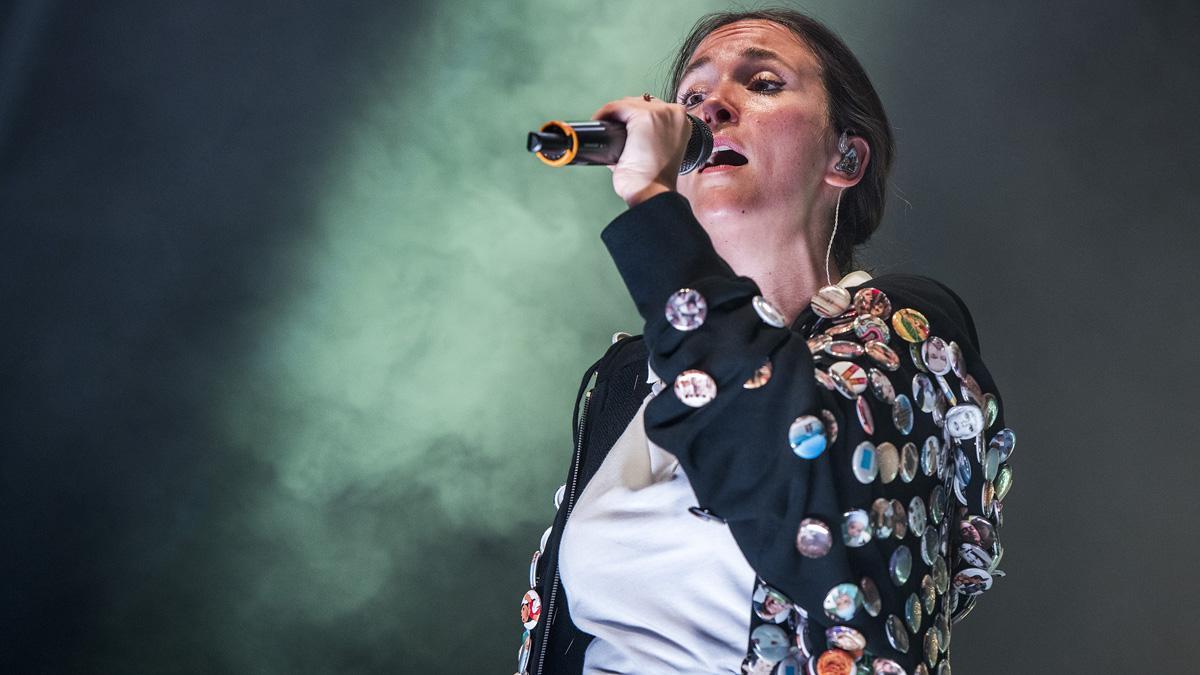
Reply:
x=749, y=54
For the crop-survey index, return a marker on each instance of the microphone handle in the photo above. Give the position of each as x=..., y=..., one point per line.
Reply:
x=600, y=142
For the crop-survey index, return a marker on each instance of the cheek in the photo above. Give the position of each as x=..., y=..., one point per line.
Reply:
x=796, y=140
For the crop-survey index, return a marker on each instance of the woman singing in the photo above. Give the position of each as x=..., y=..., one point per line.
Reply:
x=798, y=467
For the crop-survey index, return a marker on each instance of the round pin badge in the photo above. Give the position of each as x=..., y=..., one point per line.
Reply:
x=770, y=604
x=910, y=461
x=851, y=374
x=559, y=494
x=882, y=518
x=971, y=391
x=864, y=463
x=531, y=609
x=975, y=556
x=929, y=546
x=972, y=581
x=831, y=426
x=1004, y=442
x=941, y=576
x=882, y=666
x=523, y=652
x=843, y=349
x=830, y=301
x=928, y=594
x=533, y=575
x=1003, y=481
x=883, y=354
x=962, y=468
x=842, y=602
x=900, y=565
x=987, y=533
x=910, y=325
x=937, y=504
x=695, y=388
x=686, y=309
x=947, y=392
x=871, y=329
x=816, y=344
x=991, y=463
x=902, y=414
x=619, y=335
x=845, y=637
x=807, y=437
x=813, y=538
x=825, y=379
x=991, y=409
x=929, y=455
x=841, y=326
x=899, y=519
x=768, y=313
x=896, y=634
x=923, y=393
x=872, y=301
x=913, y=613
x=835, y=662
x=865, y=419
x=931, y=647
x=888, y=458
x=872, y=602
x=545, y=538
x=881, y=386
x=770, y=643
x=914, y=353
x=917, y=516
x=964, y=421
x=856, y=528
x=936, y=354
x=957, y=365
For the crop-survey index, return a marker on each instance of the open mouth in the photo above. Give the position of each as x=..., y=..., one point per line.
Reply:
x=723, y=157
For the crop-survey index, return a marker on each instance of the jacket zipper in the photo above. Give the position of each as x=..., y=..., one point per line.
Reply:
x=587, y=398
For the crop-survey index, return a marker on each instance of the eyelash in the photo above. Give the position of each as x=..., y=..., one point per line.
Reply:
x=687, y=94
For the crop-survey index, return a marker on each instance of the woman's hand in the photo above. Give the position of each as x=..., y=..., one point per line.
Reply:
x=656, y=137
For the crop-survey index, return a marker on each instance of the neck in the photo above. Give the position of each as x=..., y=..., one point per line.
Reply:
x=787, y=262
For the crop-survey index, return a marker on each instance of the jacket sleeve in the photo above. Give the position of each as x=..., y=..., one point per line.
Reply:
x=905, y=449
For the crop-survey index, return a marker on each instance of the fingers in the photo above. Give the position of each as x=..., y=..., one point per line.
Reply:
x=622, y=109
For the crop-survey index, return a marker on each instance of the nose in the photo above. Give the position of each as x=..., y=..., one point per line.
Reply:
x=717, y=109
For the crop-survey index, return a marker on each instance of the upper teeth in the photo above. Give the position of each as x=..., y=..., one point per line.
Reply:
x=721, y=147
x=714, y=152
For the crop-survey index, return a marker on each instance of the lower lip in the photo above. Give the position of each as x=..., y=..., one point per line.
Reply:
x=720, y=167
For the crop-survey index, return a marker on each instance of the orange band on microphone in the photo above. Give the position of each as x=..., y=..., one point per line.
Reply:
x=570, y=153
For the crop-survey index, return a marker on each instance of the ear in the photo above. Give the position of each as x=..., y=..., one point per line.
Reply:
x=840, y=179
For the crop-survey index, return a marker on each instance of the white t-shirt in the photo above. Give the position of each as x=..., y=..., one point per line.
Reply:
x=662, y=590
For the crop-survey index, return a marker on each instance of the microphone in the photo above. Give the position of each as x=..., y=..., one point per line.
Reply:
x=600, y=142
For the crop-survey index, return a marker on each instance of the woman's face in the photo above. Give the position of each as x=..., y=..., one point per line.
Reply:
x=774, y=108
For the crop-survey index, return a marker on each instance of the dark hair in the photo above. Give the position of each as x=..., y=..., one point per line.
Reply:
x=853, y=106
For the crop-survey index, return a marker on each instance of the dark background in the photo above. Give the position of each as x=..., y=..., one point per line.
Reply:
x=159, y=160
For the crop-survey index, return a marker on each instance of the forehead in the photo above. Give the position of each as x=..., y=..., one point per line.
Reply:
x=731, y=39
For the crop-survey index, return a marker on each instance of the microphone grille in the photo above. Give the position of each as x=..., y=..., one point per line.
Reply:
x=699, y=146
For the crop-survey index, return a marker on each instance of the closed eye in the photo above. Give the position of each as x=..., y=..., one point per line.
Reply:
x=772, y=86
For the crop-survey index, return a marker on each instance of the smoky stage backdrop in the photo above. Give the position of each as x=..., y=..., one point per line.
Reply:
x=293, y=323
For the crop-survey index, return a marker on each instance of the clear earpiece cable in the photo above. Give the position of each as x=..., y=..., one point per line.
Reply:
x=833, y=234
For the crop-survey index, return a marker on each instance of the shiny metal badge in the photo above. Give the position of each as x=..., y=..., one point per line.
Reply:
x=910, y=461
x=929, y=455
x=816, y=344
x=864, y=463
x=941, y=575
x=830, y=301
x=957, y=363
x=975, y=556
x=881, y=386
x=882, y=518
x=964, y=421
x=931, y=647
x=899, y=519
x=523, y=652
x=991, y=463
x=902, y=414
x=851, y=374
x=882, y=666
x=971, y=391
x=807, y=437
x=991, y=409
x=972, y=581
x=686, y=309
x=883, y=354
x=844, y=349
x=760, y=376
x=770, y=604
x=695, y=388
x=936, y=355
x=841, y=326
x=873, y=302
x=865, y=418
x=888, y=459
x=559, y=494
x=913, y=613
x=937, y=504
x=923, y=393
x=545, y=538
x=987, y=532
x=856, y=528
x=531, y=609
x=914, y=353
x=842, y=602
x=872, y=602
x=845, y=637
x=770, y=643
x=831, y=425
x=533, y=576
x=896, y=634
x=825, y=379
x=910, y=325
x=1003, y=481
x=900, y=565
x=928, y=594
x=962, y=468
x=768, y=312
x=917, y=516
x=871, y=329
x=813, y=538
x=929, y=546
x=1005, y=441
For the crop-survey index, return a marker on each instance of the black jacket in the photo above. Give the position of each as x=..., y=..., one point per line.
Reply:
x=737, y=456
